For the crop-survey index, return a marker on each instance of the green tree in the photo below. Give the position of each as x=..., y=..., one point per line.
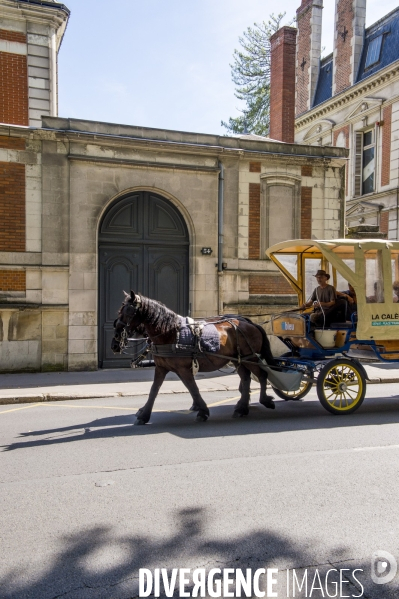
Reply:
x=250, y=73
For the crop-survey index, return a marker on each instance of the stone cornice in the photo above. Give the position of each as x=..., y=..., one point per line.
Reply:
x=390, y=73
x=51, y=13
x=372, y=196
x=295, y=153
x=310, y=153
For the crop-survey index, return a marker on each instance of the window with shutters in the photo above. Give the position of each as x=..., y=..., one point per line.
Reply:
x=364, y=162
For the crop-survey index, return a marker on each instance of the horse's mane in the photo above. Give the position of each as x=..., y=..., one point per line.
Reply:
x=154, y=313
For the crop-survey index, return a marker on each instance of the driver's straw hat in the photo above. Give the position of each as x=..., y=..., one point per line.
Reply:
x=322, y=273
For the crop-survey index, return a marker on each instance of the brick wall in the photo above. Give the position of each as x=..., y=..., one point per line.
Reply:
x=384, y=223
x=12, y=143
x=306, y=212
x=303, y=15
x=12, y=280
x=263, y=284
x=12, y=207
x=386, y=146
x=12, y=36
x=282, y=84
x=345, y=131
x=254, y=167
x=307, y=170
x=343, y=46
x=254, y=222
x=13, y=83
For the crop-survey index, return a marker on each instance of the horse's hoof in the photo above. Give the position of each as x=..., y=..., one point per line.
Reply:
x=194, y=408
x=240, y=414
x=268, y=402
x=201, y=418
x=140, y=421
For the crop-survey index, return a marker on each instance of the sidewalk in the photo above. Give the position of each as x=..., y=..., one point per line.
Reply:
x=54, y=386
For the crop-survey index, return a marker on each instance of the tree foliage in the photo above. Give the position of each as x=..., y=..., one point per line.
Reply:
x=250, y=73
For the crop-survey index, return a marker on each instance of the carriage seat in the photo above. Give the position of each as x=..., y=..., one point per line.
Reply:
x=341, y=325
x=348, y=324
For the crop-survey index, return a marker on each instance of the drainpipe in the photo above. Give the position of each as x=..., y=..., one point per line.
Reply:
x=220, y=237
x=397, y=215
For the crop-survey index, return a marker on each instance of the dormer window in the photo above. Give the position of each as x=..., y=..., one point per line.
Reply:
x=373, y=52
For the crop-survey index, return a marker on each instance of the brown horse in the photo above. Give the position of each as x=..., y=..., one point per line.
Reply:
x=239, y=340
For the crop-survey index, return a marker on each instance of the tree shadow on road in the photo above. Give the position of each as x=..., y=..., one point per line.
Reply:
x=100, y=564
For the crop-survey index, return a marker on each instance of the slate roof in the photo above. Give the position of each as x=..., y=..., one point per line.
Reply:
x=324, y=83
x=388, y=28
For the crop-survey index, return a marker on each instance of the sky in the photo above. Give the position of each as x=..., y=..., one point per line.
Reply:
x=164, y=63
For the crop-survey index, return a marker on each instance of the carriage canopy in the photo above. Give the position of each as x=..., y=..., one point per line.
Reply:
x=370, y=266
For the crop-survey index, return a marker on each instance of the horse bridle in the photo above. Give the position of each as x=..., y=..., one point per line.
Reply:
x=126, y=326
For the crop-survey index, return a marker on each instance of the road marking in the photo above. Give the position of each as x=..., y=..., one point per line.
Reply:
x=62, y=405
x=376, y=447
x=218, y=403
x=59, y=405
x=33, y=405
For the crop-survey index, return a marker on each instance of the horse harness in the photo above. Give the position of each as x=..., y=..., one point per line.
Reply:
x=194, y=350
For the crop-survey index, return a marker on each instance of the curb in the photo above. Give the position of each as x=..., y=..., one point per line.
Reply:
x=43, y=397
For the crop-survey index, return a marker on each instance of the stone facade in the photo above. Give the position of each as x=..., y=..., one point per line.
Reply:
x=63, y=181
x=76, y=170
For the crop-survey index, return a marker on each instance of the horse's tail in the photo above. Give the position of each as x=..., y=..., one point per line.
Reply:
x=265, y=351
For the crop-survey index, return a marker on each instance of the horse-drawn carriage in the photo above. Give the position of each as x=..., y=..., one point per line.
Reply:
x=332, y=352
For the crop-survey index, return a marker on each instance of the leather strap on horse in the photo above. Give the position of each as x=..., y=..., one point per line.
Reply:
x=173, y=350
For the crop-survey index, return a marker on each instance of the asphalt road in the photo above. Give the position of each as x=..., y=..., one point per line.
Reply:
x=87, y=499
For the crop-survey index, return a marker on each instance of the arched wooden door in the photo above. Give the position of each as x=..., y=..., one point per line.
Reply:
x=143, y=245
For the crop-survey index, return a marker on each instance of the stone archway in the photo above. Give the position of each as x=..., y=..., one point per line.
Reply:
x=143, y=245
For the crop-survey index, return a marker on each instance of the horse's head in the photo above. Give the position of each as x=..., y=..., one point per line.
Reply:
x=128, y=323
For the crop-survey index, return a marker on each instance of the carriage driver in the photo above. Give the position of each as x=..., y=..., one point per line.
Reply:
x=327, y=308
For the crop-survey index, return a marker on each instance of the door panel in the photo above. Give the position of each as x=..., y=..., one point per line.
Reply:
x=144, y=246
x=120, y=270
x=167, y=271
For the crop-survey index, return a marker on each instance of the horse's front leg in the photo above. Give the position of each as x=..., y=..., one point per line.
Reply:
x=187, y=378
x=242, y=406
x=144, y=413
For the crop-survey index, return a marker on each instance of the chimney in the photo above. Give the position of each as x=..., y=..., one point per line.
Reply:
x=350, y=20
x=309, y=17
x=282, y=84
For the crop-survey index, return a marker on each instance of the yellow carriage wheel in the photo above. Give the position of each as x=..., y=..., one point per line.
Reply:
x=341, y=386
x=303, y=389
